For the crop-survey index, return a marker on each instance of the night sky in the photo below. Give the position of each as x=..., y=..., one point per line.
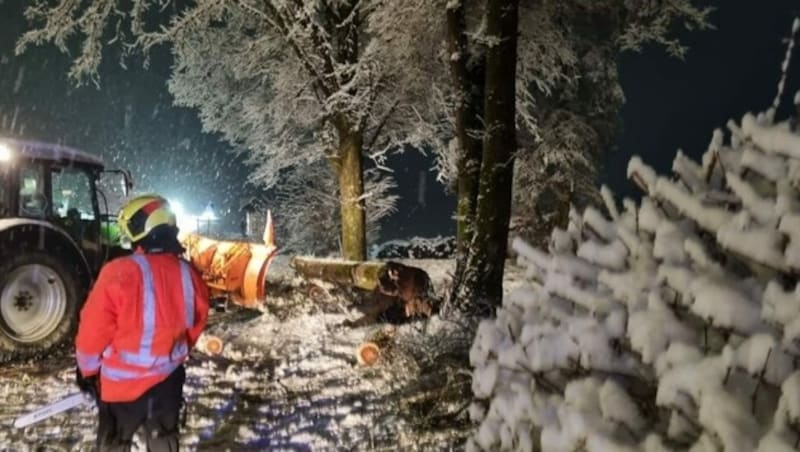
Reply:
x=130, y=121
x=729, y=71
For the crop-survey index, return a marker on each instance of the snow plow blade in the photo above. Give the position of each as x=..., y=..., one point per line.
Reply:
x=234, y=270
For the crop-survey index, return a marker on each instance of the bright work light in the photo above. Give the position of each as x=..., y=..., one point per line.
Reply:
x=186, y=222
x=5, y=153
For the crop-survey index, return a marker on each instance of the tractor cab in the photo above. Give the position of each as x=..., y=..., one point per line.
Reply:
x=57, y=228
x=65, y=187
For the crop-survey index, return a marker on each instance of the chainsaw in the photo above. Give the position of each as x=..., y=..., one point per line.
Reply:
x=52, y=409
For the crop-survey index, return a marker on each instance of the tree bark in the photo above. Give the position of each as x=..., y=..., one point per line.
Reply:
x=363, y=275
x=467, y=73
x=483, y=281
x=351, y=192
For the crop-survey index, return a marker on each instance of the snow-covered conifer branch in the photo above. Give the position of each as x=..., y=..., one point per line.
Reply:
x=672, y=322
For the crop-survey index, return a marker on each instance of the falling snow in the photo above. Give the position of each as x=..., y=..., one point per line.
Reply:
x=286, y=379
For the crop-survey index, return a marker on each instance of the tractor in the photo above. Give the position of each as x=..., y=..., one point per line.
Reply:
x=55, y=234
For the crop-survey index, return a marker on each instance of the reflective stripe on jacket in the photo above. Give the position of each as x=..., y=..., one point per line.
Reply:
x=143, y=315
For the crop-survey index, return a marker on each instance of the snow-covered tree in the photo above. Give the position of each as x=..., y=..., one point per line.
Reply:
x=673, y=324
x=292, y=82
x=568, y=114
x=567, y=93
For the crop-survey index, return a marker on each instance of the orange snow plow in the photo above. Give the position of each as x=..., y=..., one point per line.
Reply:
x=234, y=270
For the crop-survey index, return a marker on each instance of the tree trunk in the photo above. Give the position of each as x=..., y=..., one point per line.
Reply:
x=351, y=192
x=363, y=275
x=483, y=281
x=468, y=83
x=467, y=73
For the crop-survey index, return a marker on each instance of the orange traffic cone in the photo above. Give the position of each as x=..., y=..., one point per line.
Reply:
x=269, y=231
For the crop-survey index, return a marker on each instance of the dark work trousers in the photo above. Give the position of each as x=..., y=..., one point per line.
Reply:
x=158, y=410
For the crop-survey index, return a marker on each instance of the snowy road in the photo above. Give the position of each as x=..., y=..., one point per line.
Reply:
x=280, y=384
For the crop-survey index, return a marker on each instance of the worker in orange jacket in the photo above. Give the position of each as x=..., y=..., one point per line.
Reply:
x=141, y=319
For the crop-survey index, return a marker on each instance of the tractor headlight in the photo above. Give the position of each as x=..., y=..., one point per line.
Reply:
x=5, y=153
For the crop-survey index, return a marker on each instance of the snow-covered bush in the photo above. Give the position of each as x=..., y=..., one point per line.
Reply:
x=673, y=324
x=415, y=248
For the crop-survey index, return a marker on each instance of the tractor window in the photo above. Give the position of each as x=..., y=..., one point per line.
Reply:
x=32, y=200
x=111, y=185
x=72, y=194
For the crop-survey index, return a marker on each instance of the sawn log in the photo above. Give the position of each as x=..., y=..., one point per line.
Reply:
x=363, y=275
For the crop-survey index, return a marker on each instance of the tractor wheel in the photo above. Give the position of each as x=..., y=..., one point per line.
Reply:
x=39, y=302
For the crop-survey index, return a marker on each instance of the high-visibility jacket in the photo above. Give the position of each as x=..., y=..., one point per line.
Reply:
x=143, y=315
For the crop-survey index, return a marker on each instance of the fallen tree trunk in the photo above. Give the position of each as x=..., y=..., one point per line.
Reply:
x=399, y=292
x=363, y=275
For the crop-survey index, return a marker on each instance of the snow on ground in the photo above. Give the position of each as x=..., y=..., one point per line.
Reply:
x=286, y=380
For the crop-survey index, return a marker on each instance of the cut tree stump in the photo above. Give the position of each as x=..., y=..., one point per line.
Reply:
x=210, y=344
x=376, y=346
